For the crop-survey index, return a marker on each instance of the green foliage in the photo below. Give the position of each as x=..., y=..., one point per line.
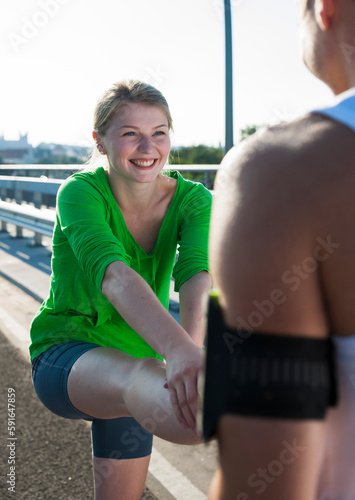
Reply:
x=196, y=155
x=249, y=130
x=59, y=160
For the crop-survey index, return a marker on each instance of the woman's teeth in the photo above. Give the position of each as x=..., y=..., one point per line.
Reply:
x=143, y=163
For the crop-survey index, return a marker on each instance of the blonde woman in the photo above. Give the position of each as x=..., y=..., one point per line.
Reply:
x=100, y=340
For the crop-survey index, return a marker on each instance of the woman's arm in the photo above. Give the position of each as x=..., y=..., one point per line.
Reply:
x=129, y=293
x=192, y=314
x=133, y=298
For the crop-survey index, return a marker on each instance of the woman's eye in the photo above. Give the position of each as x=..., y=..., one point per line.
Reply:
x=159, y=132
x=129, y=133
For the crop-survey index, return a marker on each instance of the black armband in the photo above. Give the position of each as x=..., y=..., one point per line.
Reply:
x=263, y=375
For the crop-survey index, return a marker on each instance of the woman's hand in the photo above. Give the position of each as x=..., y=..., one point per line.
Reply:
x=183, y=366
x=133, y=298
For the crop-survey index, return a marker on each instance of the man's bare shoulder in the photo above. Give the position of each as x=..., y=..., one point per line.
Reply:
x=279, y=195
x=310, y=155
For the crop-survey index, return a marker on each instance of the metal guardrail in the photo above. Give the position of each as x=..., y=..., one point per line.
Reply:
x=22, y=216
x=33, y=184
x=51, y=171
x=41, y=190
x=63, y=171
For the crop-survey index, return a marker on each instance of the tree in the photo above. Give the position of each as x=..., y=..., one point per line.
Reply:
x=196, y=155
x=248, y=130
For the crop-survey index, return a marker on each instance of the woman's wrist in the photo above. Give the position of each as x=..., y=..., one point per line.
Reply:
x=180, y=341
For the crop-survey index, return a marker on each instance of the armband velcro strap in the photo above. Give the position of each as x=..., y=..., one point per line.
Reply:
x=263, y=375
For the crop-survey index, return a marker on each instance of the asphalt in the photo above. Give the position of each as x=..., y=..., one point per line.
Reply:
x=46, y=447
x=52, y=456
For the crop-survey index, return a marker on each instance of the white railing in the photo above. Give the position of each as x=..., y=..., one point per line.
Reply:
x=63, y=171
x=26, y=217
x=25, y=189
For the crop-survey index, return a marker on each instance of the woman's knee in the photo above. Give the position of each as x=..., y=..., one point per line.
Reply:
x=146, y=383
x=147, y=364
x=146, y=367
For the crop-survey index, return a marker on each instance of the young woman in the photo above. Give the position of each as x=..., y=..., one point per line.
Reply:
x=100, y=339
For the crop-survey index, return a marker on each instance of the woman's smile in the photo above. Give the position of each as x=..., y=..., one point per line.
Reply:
x=144, y=163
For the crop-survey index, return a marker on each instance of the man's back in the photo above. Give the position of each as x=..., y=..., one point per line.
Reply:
x=295, y=188
x=284, y=217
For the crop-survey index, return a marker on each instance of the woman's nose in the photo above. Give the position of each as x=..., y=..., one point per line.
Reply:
x=146, y=144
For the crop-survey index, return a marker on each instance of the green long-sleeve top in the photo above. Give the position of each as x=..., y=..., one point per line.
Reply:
x=89, y=234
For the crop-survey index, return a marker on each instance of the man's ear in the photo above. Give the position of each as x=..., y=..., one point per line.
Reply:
x=325, y=12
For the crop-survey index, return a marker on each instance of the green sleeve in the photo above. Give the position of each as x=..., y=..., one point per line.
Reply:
x=83, y=217
x=193, y=229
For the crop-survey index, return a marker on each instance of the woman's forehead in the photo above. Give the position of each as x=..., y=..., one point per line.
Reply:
x=139, y=113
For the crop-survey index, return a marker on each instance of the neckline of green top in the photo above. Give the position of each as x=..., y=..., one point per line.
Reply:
x=171, y=173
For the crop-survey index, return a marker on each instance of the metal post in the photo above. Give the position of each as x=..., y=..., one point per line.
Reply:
x=37, y=199
x=18, y=199
x=229, y=76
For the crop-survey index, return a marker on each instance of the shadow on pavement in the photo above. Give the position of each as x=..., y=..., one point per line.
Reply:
x=52, y=455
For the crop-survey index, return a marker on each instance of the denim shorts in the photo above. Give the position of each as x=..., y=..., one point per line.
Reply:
x=119, y=438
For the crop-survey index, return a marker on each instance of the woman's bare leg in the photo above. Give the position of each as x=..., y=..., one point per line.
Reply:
x=120, y=479
x=107, y=383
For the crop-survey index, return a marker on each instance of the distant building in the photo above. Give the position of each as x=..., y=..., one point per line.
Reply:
x=21, y=152
x=16, y=152
x=56, y=151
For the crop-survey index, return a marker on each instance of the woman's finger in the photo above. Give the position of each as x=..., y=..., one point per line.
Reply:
x=184, y=405
x=191, y=391
x=176, y=407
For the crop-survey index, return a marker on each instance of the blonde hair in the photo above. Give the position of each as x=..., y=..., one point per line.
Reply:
x=120, y=94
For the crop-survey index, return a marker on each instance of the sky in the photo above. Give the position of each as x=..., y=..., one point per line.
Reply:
x=59, y=56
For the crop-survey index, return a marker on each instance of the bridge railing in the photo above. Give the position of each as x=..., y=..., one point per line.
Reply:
x=26, y=189
x=204, y=173
x=39, y=221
